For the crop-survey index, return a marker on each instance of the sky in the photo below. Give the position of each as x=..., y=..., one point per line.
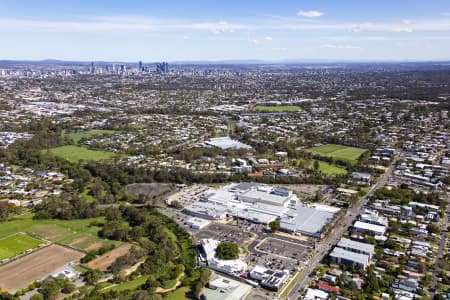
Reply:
x=213, y=30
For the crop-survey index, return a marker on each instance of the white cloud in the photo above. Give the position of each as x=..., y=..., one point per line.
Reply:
x=309, y=13
x=135, y=24
x=186, y=37
x=96, y=24
x=268, y=38
x=332, y=46
x=214, y=27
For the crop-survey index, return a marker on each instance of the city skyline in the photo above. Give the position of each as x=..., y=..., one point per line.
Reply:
x=218, y=31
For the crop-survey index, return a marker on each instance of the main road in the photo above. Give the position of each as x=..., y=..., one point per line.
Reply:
x=440, y=255
x=324, y=246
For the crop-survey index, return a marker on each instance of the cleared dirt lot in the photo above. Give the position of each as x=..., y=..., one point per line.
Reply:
x=20, y=273
x=103, y=262
x=149, y=190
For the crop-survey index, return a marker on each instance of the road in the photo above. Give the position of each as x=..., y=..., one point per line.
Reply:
x=323, y=247
x=440, y=254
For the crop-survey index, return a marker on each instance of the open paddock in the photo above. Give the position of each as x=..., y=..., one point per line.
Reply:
x=104, y=261
x=77, y=153
x=338, y=152
x=37, y=265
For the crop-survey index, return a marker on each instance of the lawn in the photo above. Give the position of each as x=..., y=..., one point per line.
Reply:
x=129, y=285
x=276, y=109
x=77, y=153
x=76, y=233
x=17, y=243
x=328, y=169
x=178, y=294
x=77, y=136
x=344, y=153
x=87, y=195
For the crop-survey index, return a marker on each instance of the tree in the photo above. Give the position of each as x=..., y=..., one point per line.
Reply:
x=92, y=276
x=227, y=250
x=176, y=204
x=433, y=228
x=275, y=225
x=37, y=297
x=4, y=211
x=50, y=288
x=316, y=165
x=318, y=196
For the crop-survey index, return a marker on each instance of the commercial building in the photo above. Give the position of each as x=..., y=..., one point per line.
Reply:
x=233, y=267
x=270, y=279
x=353, y=253
x=372, y=217
x=223, y=288
x=357, y=247
x=227, y=143
x=197, y=223
x=343, y=256
x=369, y=228
x=262, y=204
x=362, y=178
x=305, y=220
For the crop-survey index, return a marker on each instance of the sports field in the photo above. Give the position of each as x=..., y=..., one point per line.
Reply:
x=328, y=169
x=77, y=136
x=76, y=233
x=17, y=243
x=344, y=153
x=282, y=108
x=77, y=153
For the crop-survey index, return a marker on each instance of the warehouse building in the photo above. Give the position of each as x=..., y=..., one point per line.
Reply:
x=197, y=223
x=357, y=247
x=369, y=228
x=353, y=253
x=343, y=256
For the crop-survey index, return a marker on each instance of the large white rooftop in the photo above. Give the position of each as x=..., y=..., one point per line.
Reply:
x=232, y=266
x=262, y=204
x=227, y=143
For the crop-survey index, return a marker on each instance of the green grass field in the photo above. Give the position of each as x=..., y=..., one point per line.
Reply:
x=77, y=153
x=129, y=285
x=282, y=108
x=344, y=153
x=178, y=294
x=329, y=169
x=15, y=244
x=76, y=233
x=77, y=136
